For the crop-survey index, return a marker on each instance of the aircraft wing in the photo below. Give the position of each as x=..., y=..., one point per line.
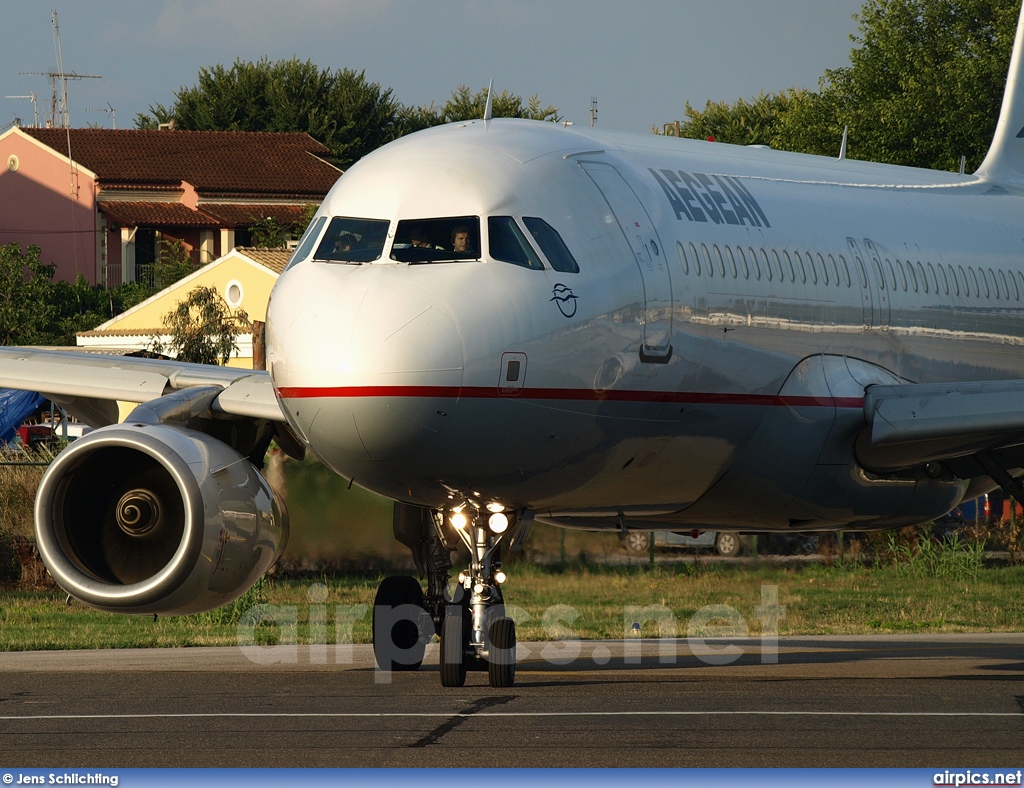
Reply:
x=914, y=424
x=89, y=385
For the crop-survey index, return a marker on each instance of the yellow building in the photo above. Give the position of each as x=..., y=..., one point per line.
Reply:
x=244, y=277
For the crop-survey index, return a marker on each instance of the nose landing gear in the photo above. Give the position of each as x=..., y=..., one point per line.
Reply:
x=468, y=614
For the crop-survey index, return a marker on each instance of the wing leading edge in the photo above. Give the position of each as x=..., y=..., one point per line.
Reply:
x=89, y=385
x=975, y=429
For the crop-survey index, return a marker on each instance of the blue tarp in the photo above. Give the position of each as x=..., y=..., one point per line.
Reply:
x=15, y=407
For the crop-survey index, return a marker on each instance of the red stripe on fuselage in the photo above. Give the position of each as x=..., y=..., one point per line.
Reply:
x=579, y=395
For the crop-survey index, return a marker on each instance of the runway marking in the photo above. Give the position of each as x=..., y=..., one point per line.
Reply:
x=448, y=715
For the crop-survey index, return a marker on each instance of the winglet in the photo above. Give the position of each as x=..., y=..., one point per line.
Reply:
x=489, y=107
x=1005, y=159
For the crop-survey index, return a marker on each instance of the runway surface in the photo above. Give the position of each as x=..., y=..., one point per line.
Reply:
x=934, y=701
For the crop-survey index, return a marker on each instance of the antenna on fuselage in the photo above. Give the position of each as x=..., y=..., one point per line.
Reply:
x=842, y=147
x=489, y=106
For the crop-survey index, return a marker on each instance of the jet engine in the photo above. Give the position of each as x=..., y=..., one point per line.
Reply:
x=156, y=519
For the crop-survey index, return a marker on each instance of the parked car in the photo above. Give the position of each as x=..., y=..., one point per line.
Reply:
x=726, y=543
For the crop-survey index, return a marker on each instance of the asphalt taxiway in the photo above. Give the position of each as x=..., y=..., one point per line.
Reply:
x=930, y=700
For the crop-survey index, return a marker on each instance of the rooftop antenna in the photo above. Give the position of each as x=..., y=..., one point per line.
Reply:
x=35, y=106
x=489, y=106
x=59, y=101
x=842, y=147
x=110, y=111
x=593, y=110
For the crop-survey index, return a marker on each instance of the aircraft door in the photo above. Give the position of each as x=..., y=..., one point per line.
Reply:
x=884, y=299
x=868, y=288
x=648, y=253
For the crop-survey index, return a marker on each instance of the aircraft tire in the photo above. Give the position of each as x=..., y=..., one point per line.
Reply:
x=453, y=652
x=403, y=650
x=501, y=667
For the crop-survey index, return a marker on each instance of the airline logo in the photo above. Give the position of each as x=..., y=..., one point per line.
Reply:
x=722, y=199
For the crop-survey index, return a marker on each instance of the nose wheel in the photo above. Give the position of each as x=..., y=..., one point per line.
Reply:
x=476, y=634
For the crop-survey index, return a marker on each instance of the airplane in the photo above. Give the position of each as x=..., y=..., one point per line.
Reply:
x=501, y=322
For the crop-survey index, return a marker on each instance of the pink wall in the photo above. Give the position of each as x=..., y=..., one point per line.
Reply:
x=37, y=207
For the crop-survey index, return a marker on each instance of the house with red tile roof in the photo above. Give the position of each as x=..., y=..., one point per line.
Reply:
x=99, y=201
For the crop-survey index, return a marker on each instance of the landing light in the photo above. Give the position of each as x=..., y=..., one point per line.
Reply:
x=498, y=523
x=459, y=520
x=500, y=577
x=495, y=507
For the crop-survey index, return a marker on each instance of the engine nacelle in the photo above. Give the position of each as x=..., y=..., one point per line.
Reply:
x=151, y=519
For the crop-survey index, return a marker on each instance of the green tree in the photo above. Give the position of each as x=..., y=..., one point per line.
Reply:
x=27, y=306
x=923, y=88
x=342, y=109
x=203, y=328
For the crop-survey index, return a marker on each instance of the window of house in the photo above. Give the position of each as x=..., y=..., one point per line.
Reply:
x=551, y=244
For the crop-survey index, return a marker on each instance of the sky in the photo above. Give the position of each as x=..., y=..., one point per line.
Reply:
x=642, y=60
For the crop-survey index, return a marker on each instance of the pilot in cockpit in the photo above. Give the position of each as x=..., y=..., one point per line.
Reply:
x=461, y=239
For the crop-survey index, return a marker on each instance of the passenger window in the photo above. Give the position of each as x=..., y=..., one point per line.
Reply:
x=954, y=282
x=995, y=284
x=1015, y=290
x=350, y=240
x=767, y=265
x=945, y=281
x=789, y=266
x=879, y=276
x=508, y=244
x=932, y=277
x=878, y=273
x=974, y=281
x=696, y=259
x=743, y=262
x=911, y=276
x=554, y=248
x=799, y=266
x=892, y=274
x=437, y=240
x=755, y=265
x=963, y=280
x=718, y=259
x=707, y=260
x=778, y=266
x=682, y=258
x=1002, y=281
x=732, y=262
x=813, y=268
x=309, y=237
x=835, y=268
x=984, y=281
x=921, y=276
x=903, y=275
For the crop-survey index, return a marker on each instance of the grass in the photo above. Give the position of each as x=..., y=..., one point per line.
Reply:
x=817, y=599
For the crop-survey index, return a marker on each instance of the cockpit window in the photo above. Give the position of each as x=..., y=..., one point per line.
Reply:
x=437, y=240
x=509, y=245
x=352, y=240
x=552, y=245
x=306, y=242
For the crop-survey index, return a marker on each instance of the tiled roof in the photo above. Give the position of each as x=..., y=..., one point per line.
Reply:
x=235, y=215
x=214, y=162
x=274, y=259
x=132, y=213
x=154, y=214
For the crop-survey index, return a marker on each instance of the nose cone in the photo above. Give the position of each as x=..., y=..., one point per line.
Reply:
x=366, y=368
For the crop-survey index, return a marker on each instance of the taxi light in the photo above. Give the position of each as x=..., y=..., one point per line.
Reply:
x=495, y=507
x=500, y=577
x=498, y=523
x=478, y=588
x=459, y=520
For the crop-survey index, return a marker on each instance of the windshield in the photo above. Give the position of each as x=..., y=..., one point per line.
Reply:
x=352, y=240
x=437, y=240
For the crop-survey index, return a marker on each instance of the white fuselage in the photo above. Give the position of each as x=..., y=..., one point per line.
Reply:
x=707, y=363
